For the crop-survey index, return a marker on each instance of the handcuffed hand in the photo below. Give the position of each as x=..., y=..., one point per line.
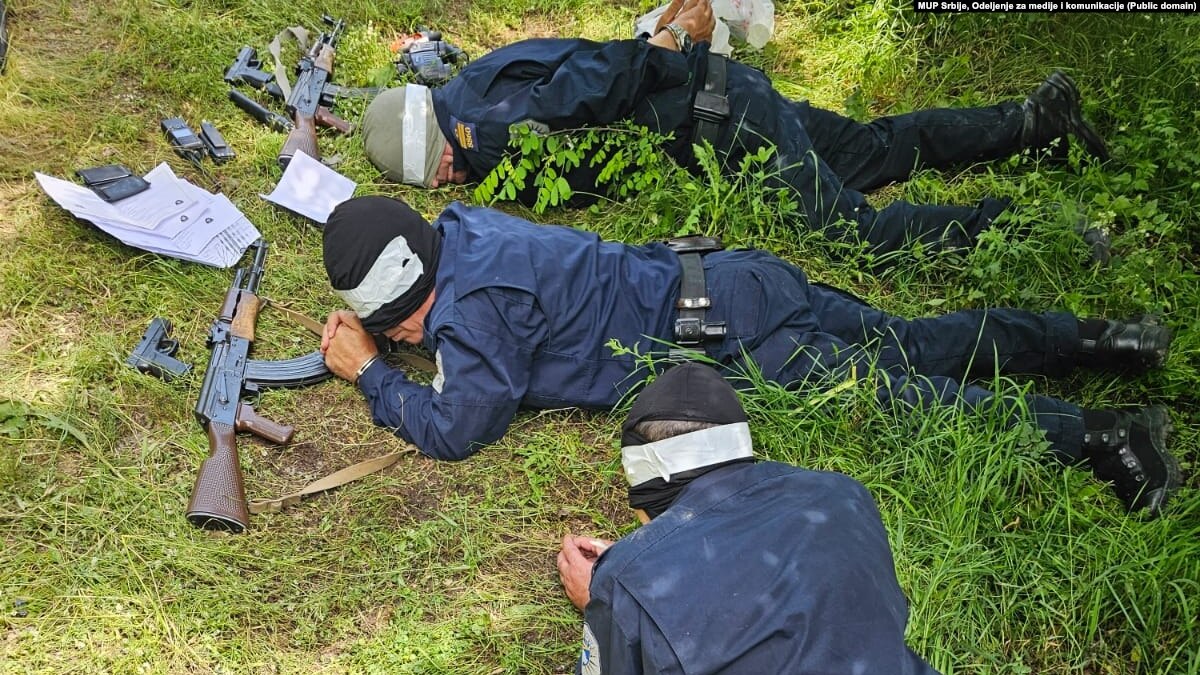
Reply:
x=696, y=17
x=445, y=172
x=346, y=344
x=668, y=16
x=575, y=562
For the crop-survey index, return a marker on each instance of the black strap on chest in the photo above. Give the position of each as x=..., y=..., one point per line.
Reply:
x=691, y=330
x=711, y=107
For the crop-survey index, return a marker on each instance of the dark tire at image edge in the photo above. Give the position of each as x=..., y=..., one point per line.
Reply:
x=3, y=35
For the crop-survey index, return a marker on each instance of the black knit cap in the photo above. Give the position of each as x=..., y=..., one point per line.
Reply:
x=689, y=392
x=358, y=231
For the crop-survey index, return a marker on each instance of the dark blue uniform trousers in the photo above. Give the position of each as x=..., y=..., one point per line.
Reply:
x=829, y=161
x=798, y=333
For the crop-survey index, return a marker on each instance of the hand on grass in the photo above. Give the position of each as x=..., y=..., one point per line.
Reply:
x=575, y=562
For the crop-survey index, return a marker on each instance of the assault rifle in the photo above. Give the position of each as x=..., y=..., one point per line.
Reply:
x=310, y=99
x=218, y=497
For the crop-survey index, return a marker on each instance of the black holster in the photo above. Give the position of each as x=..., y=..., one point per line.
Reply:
x=691, y=330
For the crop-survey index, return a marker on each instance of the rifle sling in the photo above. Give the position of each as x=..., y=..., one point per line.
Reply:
x=301, y=35
x=303, y=319
x=335, y=479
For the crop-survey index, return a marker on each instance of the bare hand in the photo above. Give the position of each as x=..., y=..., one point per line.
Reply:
x=696, y=17
x=331, y=325
x=575, y=562
x=668, y=16
x=346, y=344
x=445, y=171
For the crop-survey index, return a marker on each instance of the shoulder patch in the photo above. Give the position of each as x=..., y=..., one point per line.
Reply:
x=465, y=133
x=589, y=658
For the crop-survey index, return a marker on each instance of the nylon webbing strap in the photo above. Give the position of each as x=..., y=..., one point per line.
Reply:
x=301, y=36
x=308, y=322
x=693, y=301
x=335, y=479
x=690, y=328
x=711, y=107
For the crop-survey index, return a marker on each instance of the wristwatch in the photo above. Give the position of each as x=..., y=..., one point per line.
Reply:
x=682, y=39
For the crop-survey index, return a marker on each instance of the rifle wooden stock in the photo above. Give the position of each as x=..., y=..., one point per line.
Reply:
x=219, y=497
x=303, y=137
x=246, y=316
x=249, y=420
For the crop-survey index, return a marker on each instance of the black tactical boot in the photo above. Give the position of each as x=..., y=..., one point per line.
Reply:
x=1099, y=245
x=1132, y=346
x=1052, y=112
x=1128, y=448
x=1098, y=242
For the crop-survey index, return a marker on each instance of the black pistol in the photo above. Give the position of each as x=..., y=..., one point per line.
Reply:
x=155, y=354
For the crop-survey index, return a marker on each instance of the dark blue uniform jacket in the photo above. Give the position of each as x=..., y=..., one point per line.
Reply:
x=522, y=316
x=565, y=84
x=756, y=569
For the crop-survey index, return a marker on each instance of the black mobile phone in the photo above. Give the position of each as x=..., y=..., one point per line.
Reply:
x=215, y=143
x=97, y=175
x=185, y=141
x=116, y=190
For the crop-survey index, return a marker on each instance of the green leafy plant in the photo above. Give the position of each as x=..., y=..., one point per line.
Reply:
x=363, y=57
x=17, y=416
x=629, y=157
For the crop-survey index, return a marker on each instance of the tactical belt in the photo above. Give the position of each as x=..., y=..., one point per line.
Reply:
x=711, y=107
x=691, y=330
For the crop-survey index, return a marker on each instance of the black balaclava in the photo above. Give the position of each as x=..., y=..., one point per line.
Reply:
x=690, y=392
x=367, y=230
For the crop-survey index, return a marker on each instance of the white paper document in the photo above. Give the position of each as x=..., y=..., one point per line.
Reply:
x=310, y=188
x=172, y=218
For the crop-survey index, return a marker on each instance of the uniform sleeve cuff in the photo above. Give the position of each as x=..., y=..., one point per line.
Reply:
x=372, y=376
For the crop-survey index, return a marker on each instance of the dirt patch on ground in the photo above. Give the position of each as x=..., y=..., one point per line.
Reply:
x=334, y=431
x=17, y=200
x=531, y=26
x=41, y=32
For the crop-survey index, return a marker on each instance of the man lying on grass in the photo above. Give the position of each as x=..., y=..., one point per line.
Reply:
x=740, y=566
x=519, y=314
x=460, y=132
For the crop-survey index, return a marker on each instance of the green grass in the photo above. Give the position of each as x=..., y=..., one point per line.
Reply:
x=1011, y=565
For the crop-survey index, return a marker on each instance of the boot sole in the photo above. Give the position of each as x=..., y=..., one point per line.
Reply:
x=1078, y=126
x=1155, y=501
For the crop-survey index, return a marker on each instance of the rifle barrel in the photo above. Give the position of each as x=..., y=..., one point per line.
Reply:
x=256, y=269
